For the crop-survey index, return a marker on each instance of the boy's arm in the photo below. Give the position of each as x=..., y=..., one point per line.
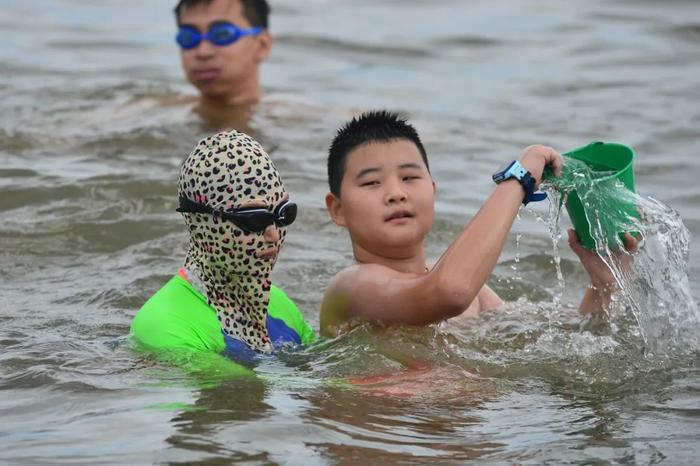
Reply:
x=599, y=293
x=377, y=293
x=487, y=300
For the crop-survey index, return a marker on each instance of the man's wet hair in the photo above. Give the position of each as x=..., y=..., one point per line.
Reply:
x=373, y=126
x=257, y=12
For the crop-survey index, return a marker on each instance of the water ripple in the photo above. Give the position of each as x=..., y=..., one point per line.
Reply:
x=328, y=44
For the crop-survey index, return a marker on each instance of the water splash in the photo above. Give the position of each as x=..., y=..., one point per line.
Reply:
x=655, y=302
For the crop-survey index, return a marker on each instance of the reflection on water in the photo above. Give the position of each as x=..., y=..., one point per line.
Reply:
x=97, y=117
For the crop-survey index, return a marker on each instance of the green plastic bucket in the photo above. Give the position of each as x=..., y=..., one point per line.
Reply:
x=610, y=208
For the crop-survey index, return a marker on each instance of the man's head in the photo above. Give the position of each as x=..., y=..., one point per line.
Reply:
x=257, y=12
x=225, y=73
x=380, y=183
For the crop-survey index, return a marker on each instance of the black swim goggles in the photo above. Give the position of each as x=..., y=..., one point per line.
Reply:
x=221, y=34
x=248, y=219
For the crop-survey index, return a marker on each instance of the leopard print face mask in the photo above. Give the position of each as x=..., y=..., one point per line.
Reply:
x=230, y=170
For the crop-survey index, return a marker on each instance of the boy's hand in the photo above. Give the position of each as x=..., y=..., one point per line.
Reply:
x=601, y=276
x=536, y=157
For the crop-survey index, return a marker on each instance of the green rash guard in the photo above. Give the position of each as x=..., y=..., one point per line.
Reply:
x=179, y=317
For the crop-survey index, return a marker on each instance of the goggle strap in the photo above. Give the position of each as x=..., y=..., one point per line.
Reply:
x=251, y=31
x=189, y=206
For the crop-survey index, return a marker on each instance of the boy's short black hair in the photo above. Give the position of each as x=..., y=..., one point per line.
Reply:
x=373, y=126
x=256, y=11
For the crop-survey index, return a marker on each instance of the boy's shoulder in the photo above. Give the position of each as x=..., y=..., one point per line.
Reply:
x=365, y=274
x=336, y=308
x=359, y=291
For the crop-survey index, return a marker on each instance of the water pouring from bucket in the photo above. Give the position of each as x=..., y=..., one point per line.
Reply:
x=598, y=186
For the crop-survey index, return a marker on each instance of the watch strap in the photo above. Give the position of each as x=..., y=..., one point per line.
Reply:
x=528, y=184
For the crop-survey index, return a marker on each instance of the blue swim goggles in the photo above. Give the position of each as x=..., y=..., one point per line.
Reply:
x=221, y=34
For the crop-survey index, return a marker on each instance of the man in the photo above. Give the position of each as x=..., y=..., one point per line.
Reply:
x=222, y=44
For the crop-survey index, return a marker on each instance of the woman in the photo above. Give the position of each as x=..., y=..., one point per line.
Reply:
x=237, y=212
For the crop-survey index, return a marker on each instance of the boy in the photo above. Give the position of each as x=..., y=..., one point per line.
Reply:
x=383, y=193
x=222, y=44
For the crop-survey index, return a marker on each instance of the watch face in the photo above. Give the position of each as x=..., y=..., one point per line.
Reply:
x=500, y=174
x=505, y=168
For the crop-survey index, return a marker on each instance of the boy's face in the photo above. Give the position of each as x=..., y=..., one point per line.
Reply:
x=222, y=72
x=386, y=199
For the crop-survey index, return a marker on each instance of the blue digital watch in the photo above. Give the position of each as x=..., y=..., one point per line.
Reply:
x=517, y=171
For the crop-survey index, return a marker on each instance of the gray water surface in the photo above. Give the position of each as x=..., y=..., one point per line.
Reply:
x=94, y=124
